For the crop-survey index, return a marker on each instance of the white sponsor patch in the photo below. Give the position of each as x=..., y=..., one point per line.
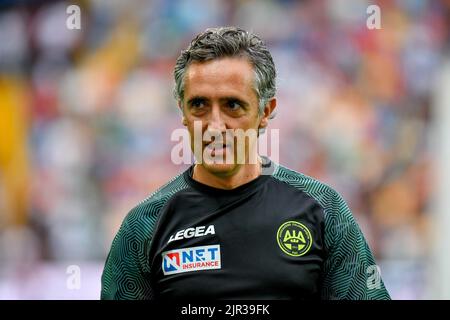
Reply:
x=191, y=259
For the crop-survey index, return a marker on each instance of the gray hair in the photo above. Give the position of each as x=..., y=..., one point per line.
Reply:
x=220, y=42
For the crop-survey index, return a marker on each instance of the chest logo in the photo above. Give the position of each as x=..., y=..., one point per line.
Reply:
x=294, y=238
x=191, y=259
x=192, y=233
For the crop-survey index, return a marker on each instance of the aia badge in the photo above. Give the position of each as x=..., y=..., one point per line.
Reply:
x=191, y=259
x=294, y=238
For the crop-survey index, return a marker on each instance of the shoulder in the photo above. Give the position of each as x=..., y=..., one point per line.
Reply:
x=328, y=198
x=142, y=218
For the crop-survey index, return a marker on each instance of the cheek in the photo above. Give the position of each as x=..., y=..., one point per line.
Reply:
x=195, y=135
x=251, y=123
x=193, y=124
x=245, y=122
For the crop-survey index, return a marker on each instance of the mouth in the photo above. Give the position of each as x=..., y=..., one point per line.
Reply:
x=216, y=148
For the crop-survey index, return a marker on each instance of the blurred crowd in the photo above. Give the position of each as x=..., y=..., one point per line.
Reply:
x=86, y=117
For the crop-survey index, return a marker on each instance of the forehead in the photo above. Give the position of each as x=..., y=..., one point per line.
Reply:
x=223, y=76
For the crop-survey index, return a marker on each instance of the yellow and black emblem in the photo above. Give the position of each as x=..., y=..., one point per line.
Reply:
x=294, y=238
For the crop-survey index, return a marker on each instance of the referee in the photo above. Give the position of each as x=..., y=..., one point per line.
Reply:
x=246, y=227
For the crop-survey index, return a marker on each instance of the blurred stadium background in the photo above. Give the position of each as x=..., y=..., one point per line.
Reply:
x=86, y=117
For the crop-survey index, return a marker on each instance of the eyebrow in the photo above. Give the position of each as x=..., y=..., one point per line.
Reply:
x=231, y=98
x=196, y=98
x=224, y=99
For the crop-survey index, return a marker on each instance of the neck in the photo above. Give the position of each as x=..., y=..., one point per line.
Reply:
x=243, y=174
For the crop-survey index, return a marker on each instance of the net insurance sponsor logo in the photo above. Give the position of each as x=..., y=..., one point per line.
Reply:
x=191, y=259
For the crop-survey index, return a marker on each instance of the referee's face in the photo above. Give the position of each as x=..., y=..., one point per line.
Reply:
x=219, y=96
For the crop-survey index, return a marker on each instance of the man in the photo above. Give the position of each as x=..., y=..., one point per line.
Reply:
x=236, y=225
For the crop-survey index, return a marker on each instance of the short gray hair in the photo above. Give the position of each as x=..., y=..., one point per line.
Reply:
x=220, y=42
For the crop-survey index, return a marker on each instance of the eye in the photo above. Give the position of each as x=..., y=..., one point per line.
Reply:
x=197, y=103
x=234, y=105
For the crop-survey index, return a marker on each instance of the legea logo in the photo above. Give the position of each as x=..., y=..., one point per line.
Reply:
x=192, y=233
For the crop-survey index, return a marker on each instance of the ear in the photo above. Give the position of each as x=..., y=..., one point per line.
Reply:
x=268, y=109
x=184, y=121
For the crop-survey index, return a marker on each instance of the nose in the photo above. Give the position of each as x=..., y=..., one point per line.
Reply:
x=216, y=122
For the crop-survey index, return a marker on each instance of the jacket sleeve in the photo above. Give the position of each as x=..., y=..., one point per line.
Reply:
x=349, y=271
x=126, y=272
